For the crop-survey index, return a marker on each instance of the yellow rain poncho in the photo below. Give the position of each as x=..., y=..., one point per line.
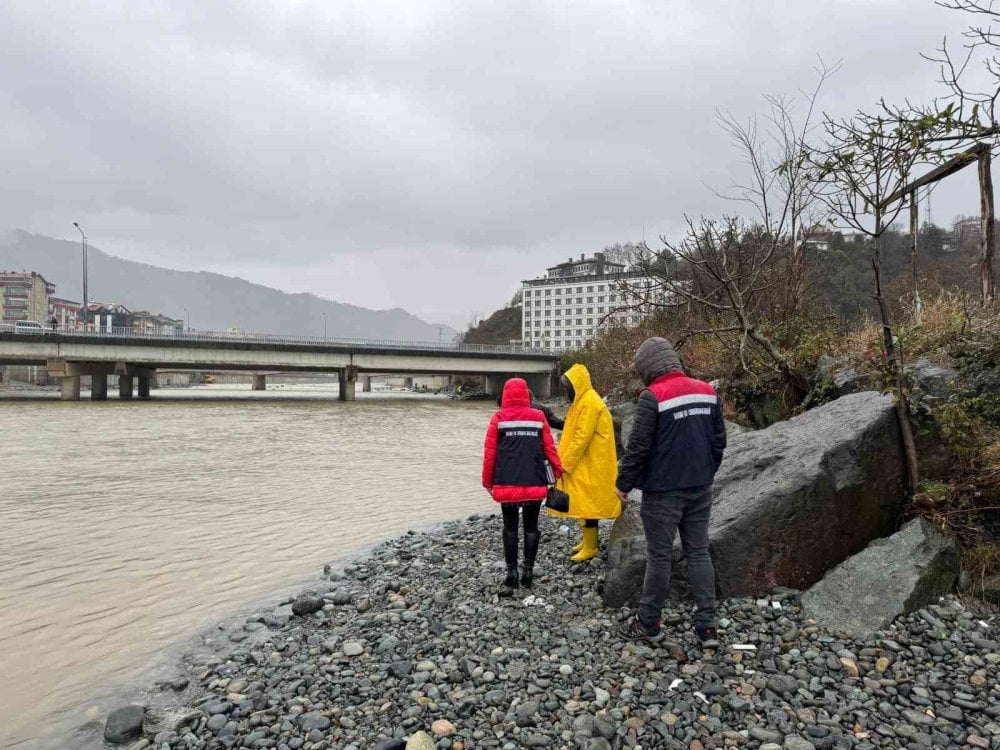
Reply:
x=587, y=453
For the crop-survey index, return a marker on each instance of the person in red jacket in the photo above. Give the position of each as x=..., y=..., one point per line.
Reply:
x=518, y=443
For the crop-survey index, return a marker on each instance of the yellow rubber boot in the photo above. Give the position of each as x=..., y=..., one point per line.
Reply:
x=589, y=548
x=579, y=546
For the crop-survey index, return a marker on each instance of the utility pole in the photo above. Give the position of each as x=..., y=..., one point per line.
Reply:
x=324, y=328
x=187, y=318
x=84, y=306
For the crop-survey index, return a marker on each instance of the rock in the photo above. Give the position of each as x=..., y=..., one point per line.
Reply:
x=990, y=591
x=782, y=683
x=390, y=745
x=842, y=376
x=794, y=742
x=766, y=735
x=892, y=577
x=733, y=429
x=124, y=724
x=420, y=741
x=313, y=721
x=622, y=419
x=850, y=667
x=307, y=603
x=442, y=728
x=353, y=648
x=934, y=380
x=341, y=597
x=626, y=567
x=791, y=501
x=168, y=720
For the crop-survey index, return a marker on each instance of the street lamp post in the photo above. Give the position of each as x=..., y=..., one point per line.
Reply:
x=324, y=328
x=84, y=307
x=187, y=319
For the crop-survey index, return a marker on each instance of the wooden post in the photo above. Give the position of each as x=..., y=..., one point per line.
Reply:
x=914, y=229
x=988, y=232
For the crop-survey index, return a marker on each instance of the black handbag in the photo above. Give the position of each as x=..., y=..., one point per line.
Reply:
x=557, y=500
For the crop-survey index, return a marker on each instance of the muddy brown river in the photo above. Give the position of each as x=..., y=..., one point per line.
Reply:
x=128, y=527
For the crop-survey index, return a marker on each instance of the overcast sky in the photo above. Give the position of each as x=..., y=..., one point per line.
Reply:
x=426, y=154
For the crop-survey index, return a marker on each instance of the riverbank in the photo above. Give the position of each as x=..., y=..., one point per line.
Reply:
x=412, y=639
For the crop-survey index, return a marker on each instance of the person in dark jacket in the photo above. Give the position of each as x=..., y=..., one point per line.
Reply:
x=518, y=443
x=674, y=450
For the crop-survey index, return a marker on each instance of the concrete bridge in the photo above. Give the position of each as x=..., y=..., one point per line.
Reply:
x=68, y=355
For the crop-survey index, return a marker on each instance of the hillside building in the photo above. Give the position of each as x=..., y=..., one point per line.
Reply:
x=564, y=308
x=25, y=296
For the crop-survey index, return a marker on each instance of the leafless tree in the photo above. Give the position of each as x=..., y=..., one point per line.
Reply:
x=973, y=103
x=780, y=187
x=723, y=273
x=866, y=160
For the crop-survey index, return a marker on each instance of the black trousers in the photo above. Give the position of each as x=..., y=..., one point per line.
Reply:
x=530, y=511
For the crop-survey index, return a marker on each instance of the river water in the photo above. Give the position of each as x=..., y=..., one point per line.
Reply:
x=127, y=526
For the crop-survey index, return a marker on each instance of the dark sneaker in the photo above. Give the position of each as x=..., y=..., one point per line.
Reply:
x=633, y=630
x=707, y=636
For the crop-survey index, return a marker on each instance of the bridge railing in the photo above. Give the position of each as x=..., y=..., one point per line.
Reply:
x=271, y=338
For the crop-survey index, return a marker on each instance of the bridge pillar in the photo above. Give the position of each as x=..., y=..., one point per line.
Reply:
x=494, y=385
x=347, y=380
x=99, y=387
x=540, y=384
x=144, y=386
x=366, y=384
x=69, y=388
x=125, y=383
x=408, y=382
x=260, y=382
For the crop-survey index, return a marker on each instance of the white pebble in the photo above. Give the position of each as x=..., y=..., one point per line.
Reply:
x=566, y=670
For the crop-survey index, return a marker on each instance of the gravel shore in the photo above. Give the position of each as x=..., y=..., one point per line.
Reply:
x=411, y=647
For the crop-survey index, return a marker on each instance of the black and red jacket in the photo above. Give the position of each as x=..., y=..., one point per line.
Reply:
x=678, y=437
x=518, y=442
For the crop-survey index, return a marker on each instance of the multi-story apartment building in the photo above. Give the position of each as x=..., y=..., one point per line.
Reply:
x=25, y=296
x=146, y=323
x=66, y=312
x=564, y=308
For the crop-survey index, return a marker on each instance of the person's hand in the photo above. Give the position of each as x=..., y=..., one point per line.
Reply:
x=623, y=497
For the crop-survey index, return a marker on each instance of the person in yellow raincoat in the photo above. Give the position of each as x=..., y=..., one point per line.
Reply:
x=590, y=464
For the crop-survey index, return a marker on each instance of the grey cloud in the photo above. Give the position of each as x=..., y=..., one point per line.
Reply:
x=235, y=133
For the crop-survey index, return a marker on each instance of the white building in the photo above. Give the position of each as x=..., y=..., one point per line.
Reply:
x=563, y=309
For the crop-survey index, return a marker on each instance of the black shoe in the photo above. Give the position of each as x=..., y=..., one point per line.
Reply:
x=526, y=575
x=633, y=630
x=707, y=636
x=509, y=583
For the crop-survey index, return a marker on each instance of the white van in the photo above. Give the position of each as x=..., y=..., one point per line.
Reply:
x=29, y=326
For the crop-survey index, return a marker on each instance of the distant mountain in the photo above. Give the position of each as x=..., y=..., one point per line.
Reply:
x=215, y=302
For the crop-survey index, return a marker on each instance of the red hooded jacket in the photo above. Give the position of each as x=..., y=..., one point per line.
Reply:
x=518, y=442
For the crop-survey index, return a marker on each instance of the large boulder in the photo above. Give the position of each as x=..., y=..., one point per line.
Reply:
x=791, y=501
x=892, y=577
